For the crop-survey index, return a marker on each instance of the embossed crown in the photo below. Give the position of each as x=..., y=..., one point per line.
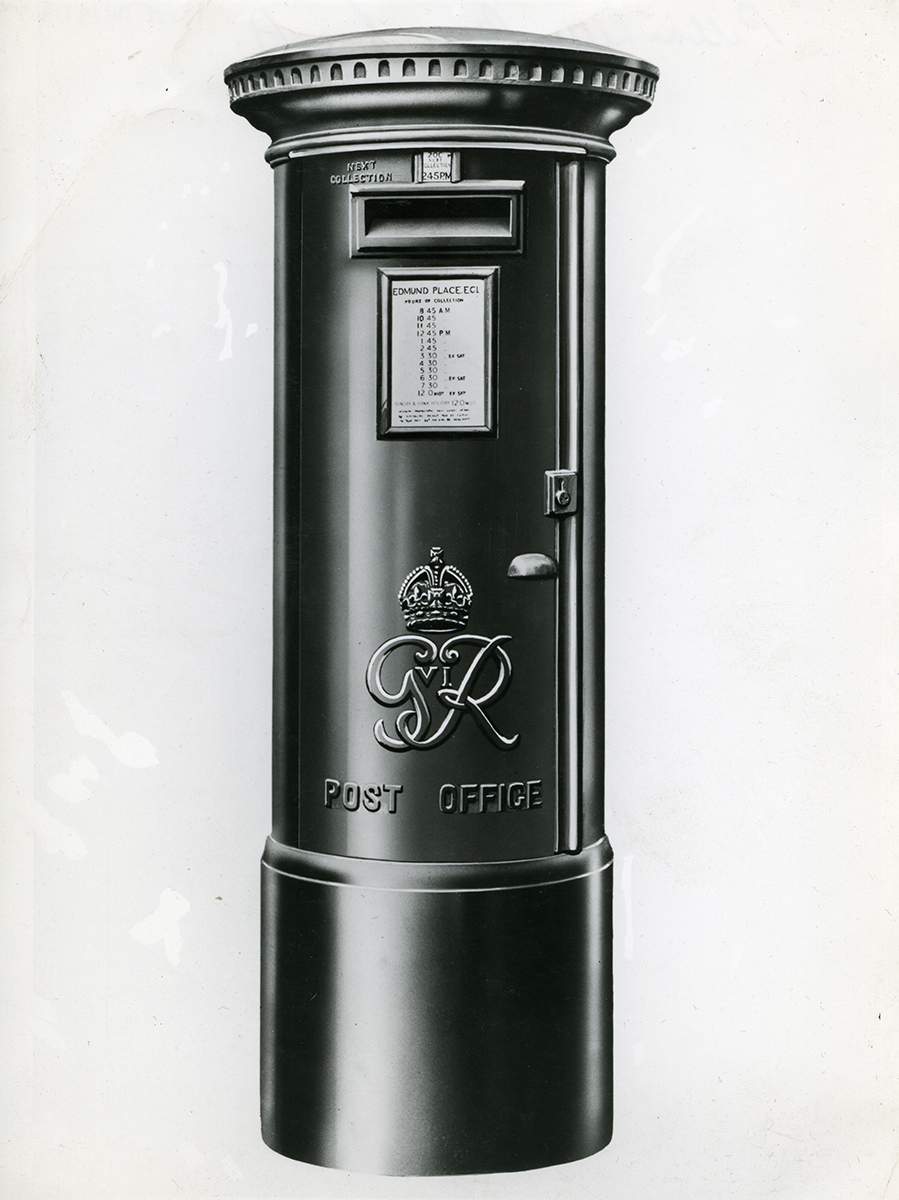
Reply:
x=436, y=597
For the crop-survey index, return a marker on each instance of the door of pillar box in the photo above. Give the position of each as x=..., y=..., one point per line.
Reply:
x=430, y=411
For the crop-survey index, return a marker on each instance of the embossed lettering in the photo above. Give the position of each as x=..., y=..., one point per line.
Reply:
x=363, y=173
x=490, y=797
x=351, y=796
x=468, y=795
x=372, y=796
x=391, y=791
x=517, y=795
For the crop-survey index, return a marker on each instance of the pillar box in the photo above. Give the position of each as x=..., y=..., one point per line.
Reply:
x=436, y=945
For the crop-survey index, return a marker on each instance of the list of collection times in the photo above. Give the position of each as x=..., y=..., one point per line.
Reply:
x=438, y=354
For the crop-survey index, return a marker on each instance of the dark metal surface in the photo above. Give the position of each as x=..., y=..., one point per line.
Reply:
x=431, y=1020
x=441, y=77
x=371, y=509
x=442, y=39
x=360, y=513
x=482, y=215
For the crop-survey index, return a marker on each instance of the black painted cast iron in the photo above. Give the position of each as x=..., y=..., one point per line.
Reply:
x=436, y=993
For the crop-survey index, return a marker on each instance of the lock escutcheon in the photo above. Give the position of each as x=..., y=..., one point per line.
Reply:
x=560, y=496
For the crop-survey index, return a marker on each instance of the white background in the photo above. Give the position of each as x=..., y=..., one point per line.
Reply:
x=753, y=661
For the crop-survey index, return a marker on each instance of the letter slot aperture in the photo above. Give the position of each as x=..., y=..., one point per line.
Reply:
x=437, y=886
x=429, y=218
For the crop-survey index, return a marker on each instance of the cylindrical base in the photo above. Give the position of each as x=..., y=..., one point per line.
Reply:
x=436, y=1019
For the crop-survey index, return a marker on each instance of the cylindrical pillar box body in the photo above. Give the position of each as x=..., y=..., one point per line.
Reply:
x=437, y=887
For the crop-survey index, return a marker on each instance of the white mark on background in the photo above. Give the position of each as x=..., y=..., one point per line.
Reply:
x=654, y=283
x=163, y=328
x=130, y=748
x=657, y=137
x=204, y=190
x=232, y=1171
x=224, y=321
x=651, y=331
x=162, y=925
x=711, y=407
x=55, y=836
x=251, y=329
x=151, y=263
x=678, y=349
x=186, y=191
x=71, y=786
x=626, y=877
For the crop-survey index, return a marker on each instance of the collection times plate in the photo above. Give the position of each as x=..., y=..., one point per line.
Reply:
x=437, y=351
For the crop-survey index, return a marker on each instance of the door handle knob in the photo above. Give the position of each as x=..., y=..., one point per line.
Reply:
x=533, y=566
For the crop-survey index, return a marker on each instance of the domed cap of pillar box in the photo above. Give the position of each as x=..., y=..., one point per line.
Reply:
x=463, y=82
